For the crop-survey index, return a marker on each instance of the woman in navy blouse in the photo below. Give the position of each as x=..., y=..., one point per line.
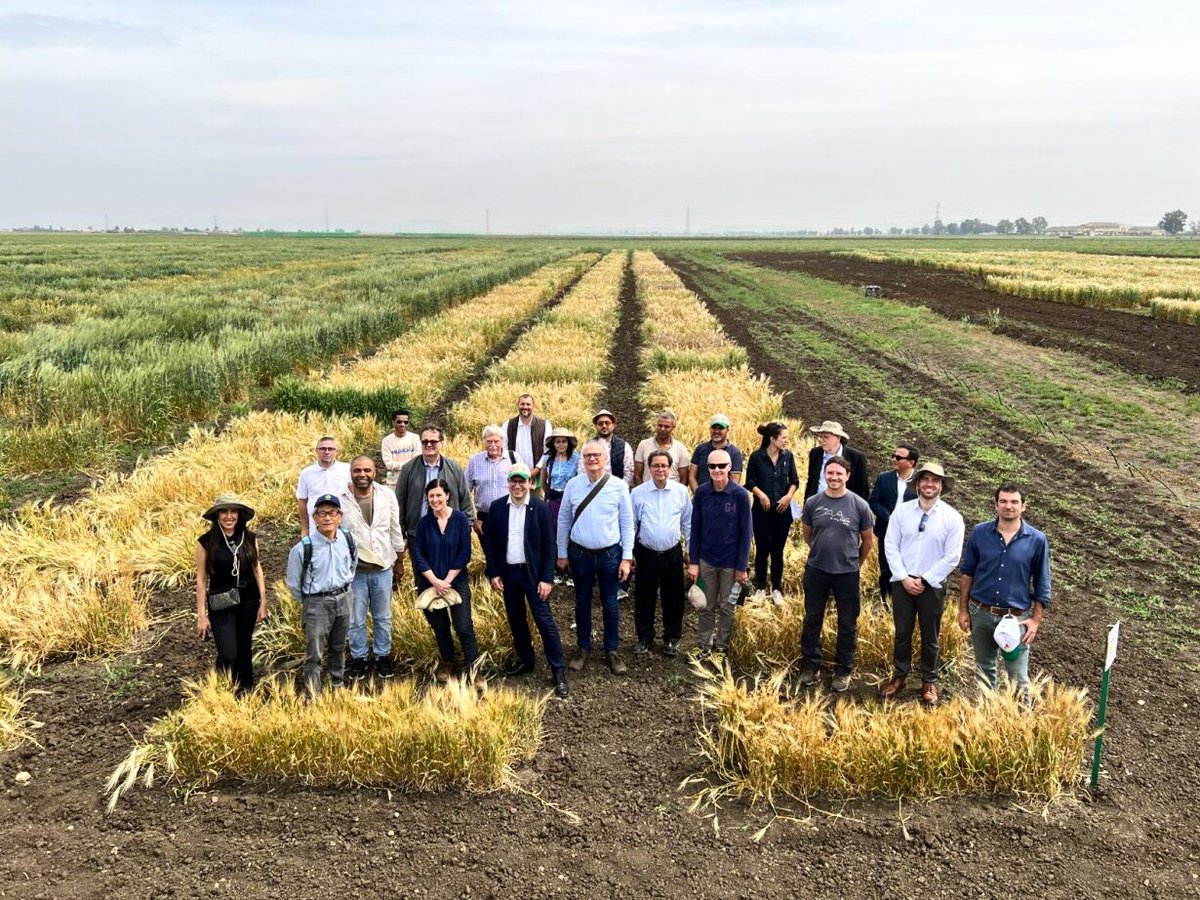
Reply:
x=441, y=550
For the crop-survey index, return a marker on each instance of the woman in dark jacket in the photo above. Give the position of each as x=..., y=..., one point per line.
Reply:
x=226, y=561
x=441, y=550
x=771, y=477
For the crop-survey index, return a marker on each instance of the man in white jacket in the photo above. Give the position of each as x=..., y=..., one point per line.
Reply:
x=372, y=515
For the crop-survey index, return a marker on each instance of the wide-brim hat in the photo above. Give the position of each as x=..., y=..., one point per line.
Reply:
x=428, y=599
x=228, y=500
x=567, y=432
x=830, y=427
x=603, y=412
x=933, y=467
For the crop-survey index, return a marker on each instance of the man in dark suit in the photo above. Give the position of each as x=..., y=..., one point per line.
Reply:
x=886, y=497
x=519, y=545
x=831, y=442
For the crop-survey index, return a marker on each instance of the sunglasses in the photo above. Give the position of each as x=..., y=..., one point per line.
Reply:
x=897, y=456
x=924, y=520
x=430, y=443
x=718, y=465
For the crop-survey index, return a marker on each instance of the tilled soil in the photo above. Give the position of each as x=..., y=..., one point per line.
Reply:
x=1153, y=347
x=614, y=755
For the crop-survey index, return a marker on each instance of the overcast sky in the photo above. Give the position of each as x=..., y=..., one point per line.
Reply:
x=562, y=116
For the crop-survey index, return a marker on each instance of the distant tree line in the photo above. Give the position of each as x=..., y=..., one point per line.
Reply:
x=1036, y=225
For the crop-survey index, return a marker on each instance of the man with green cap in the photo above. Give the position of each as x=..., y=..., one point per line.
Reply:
x=718, y=429
x=923, y=544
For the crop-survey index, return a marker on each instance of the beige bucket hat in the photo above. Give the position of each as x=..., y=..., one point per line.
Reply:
x=428, y=599
x=933, y=467
x=830, y=427
x=228, y=500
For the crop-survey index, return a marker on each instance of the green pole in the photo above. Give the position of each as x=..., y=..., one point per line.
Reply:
x=1100, y=725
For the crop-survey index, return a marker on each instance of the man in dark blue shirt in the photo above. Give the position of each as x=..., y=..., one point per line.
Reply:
x=1005, y=571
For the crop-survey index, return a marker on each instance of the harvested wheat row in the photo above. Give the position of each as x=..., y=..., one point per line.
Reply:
x=767, y=745
x=399, y=738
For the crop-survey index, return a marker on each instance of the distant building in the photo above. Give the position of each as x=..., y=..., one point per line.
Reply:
x=1104, y=229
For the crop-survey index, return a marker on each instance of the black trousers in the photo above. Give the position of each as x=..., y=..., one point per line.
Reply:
x=885, y=573
x=926, y=608
x=233, y=633
x=817, y=587
x=658, y=572
x=770, y=537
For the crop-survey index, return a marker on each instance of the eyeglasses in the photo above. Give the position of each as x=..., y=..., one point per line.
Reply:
x=924, y=519
x=326, y=513
x=897, y=456
x=718, y=465
x=592, y=455
x=430, y=443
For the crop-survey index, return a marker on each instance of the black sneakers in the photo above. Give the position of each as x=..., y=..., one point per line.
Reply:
x=356, y=669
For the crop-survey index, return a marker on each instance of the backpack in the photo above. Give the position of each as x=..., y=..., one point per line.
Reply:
x=306, y=563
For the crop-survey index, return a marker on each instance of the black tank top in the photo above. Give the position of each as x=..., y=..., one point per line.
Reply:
x=221, y=578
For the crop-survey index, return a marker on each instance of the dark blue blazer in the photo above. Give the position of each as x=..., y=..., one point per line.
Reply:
x=540, y=537
x=883, y=500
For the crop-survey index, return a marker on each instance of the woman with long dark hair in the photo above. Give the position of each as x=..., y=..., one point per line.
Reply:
x=231, y=593
x=441, y=550
x=772, y=479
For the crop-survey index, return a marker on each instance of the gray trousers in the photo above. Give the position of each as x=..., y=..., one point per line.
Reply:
x=326, y=622
x=717, y=585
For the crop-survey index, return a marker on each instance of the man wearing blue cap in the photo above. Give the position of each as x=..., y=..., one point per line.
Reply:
x=320, y=572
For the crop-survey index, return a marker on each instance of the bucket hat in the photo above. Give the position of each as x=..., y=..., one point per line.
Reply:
x=228, y=500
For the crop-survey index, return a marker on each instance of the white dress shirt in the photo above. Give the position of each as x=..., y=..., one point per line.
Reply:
x=931, y=552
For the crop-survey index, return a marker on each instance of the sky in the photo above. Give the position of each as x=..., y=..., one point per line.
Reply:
x=544, y=116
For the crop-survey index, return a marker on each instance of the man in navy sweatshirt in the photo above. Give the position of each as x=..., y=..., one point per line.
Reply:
x=719, y=552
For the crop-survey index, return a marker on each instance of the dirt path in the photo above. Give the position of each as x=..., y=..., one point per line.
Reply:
x=1135, y=343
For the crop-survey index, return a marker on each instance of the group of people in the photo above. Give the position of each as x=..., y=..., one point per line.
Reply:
x=547, y=511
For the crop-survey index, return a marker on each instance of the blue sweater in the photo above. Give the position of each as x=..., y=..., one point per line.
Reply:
x=440, y=552
x=721, y=527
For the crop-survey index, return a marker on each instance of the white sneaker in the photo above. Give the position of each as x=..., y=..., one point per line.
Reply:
x=777, y=598
x=760, y=596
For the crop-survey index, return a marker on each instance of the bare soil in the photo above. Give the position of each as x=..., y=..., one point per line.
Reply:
x=614, y=754
x=1135, y=343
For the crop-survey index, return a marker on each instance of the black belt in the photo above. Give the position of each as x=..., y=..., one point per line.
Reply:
x=594, y=552
x=337, y=592
x=646, y=549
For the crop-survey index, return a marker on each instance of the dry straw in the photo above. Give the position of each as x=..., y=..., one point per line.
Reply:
x=693, y=368
x=75, y=579
x=1085, y=279
x=445, y=348
x=562, y=362
x=768, y=745
x=400, y=738
x=14, y=727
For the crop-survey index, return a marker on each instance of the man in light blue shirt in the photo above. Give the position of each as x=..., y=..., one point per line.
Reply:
x=595, y=539
x=320, y=572
x=662, y=509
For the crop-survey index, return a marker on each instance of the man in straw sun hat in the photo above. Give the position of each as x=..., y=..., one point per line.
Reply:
x=1005, y=571
x=519, y=548
x=923, y=545
x=831, y=442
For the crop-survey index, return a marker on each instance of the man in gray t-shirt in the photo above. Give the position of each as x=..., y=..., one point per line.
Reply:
x=838, y=530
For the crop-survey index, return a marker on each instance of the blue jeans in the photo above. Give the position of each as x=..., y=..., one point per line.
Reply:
x=588, y=567
x=983, y=641
x=519, y=589
x=372, y=591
